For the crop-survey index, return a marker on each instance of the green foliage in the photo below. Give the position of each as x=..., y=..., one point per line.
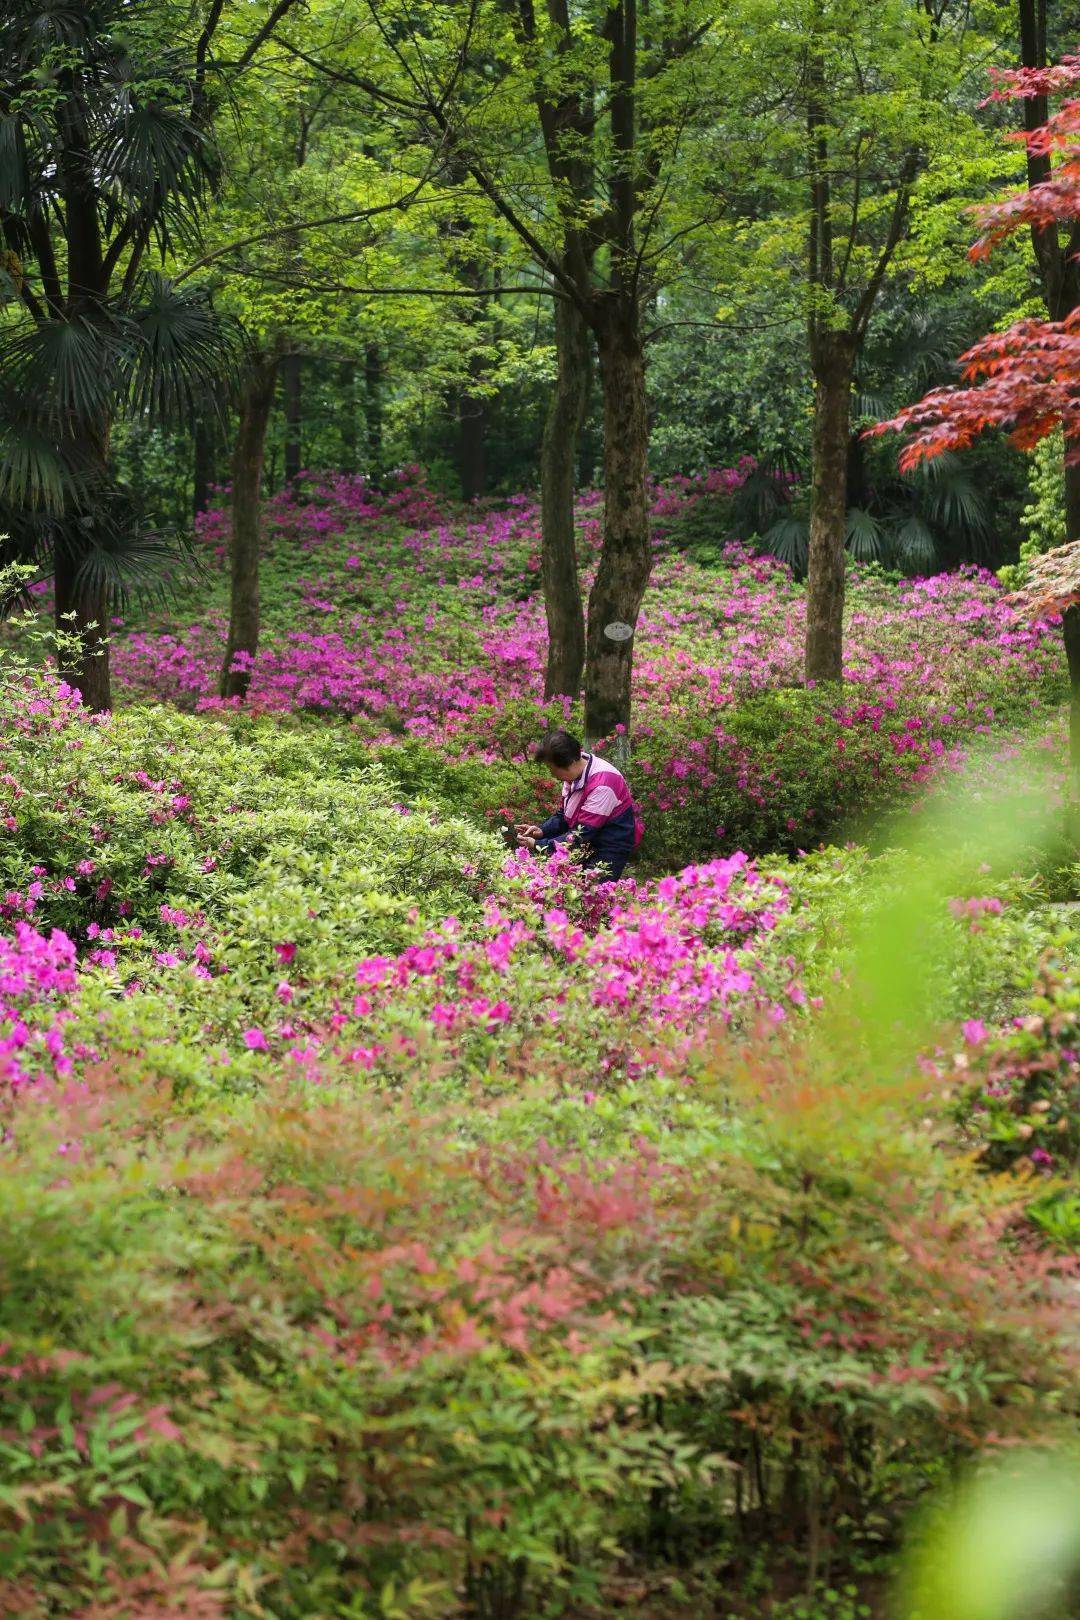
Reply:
x=1044, y=516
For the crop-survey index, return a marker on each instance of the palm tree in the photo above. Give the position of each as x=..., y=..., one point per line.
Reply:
x=105, y=161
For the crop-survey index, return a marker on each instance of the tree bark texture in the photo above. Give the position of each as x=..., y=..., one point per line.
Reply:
x=833, y=362
x=349, y=438
x=83, y=611
x=204, y=439
x=626, y=555
x=373, y=384
x=292, y=399
x=558, y=458
x=1058, y=269
x=472, y=434
x=1070, y=629
x=256, y=403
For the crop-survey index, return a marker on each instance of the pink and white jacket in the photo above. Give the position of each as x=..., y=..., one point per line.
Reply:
x=597, y=811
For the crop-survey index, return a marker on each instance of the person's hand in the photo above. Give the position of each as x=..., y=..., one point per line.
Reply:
x=525, y=830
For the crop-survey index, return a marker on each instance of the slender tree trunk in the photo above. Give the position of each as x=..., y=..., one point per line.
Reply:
x=472, y=433
x=292, y=384
x=83, y=612
x=205, y=471
x=349, y=438
x=373, y=384
x=626, y=555
x=558, y=456
x=256, y=402
x=833, y=360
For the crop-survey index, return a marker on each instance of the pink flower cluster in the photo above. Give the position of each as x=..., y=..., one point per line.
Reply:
x=407, y=621
x=669, y=960
x=37, y=978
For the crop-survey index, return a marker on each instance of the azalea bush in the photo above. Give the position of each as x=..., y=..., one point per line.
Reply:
x=422, y=630
x=398, y=1225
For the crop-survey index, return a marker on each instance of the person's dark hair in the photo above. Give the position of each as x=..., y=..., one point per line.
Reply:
x=558, y=748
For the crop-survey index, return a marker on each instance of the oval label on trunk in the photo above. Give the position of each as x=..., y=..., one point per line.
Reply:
x=618, y=631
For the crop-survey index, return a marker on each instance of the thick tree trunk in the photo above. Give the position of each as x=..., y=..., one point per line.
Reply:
x=350, y=442
x=1070, y=629
x=558, y=456
x=373, y=383
x=256, y=402
x=82, y=612
x=1072, y=500
x=205, y=471
x=626, y=555
x=833, y=361
x=292, y=399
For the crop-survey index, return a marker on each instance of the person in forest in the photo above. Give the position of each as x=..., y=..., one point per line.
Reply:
x=597, y=813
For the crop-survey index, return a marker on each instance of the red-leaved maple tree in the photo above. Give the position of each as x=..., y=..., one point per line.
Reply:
x=1026, y=379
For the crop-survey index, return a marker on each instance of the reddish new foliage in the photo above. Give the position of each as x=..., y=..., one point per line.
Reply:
x=1026, y=379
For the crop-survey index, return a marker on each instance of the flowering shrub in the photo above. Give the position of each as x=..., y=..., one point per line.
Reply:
x=318, y=1345
x=397, y=1227
x=415, y=625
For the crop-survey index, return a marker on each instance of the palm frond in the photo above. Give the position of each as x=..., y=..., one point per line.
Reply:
x=759, y=500
x=117, y=552
x=38, y=470
x=15, y=186
x=789, y=540
x=864, y=536
x=155, y=163
x=954, y=502
x=868, y=404
x=65, y=370
x=34, y=30
x=915, y=546
x=186, y=350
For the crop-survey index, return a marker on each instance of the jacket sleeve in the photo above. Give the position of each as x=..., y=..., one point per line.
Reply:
x=554, y=827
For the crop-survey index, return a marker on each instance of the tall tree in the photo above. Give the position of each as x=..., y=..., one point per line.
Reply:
x=621, y=95
x=1025, y=380
x=103, y=161
x=840, y=115
x=1057, y=249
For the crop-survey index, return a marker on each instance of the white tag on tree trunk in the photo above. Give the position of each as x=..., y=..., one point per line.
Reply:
x=618, y=631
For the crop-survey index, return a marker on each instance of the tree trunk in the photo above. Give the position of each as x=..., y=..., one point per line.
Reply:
x=205, y=445
x=833, y=361
x=293, y=403
x=256, y=402
x=349, y=438
x=626, y=555
x=82, y=612
x=558, y=454
x=1058, y=270
x=472, y=431
x=373, y=380
x=1070, y=629
x=1072, y=500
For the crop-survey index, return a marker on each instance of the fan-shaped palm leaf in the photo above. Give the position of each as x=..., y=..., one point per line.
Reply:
x=65, y=370
x=120, y=555
x=153, y=163
x=915, y=546
x=38, y=470
x=864, y=536
x=789, y=540
x=952, y=500
x=185, y=350
x=33, y=30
